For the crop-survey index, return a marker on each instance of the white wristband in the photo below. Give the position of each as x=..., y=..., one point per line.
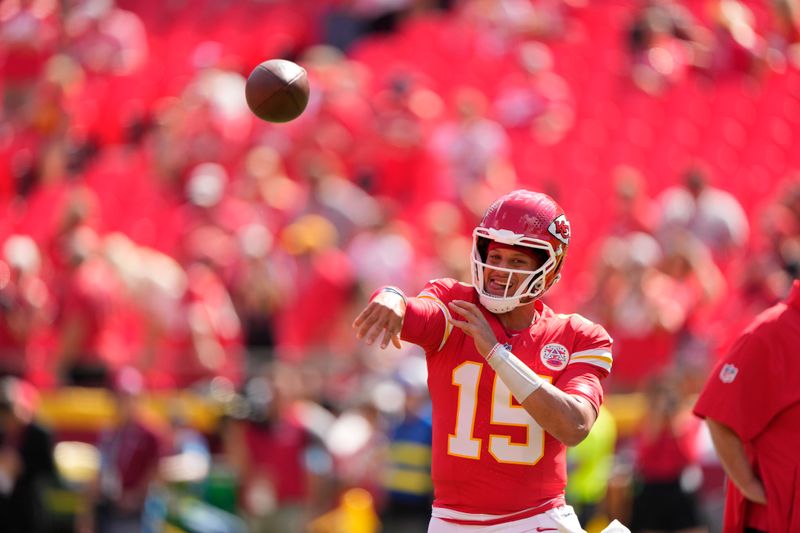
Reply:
x=395, y=290
x=518, y=377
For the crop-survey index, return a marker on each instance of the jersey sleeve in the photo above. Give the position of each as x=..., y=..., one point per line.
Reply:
x=427, y=322
x=592, y=345
x=740, y=392
x=583, y=380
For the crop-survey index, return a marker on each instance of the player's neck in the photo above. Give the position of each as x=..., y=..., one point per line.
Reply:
x=518, y=319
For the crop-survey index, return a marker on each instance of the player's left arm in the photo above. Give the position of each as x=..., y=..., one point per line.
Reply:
x=567, y=417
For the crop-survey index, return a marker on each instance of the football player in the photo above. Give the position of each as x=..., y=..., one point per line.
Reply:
x=512, y=382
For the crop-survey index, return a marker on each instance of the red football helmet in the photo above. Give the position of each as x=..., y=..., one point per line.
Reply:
x=527, y=219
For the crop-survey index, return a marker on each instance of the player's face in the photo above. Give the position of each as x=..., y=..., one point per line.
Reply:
x=499, y=282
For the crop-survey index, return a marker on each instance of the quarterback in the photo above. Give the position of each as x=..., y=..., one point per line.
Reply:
x=512, y=382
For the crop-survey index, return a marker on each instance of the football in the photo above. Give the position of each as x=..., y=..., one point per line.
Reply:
x=277, y=90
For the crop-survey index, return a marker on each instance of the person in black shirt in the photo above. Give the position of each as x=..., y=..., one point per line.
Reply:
x=26, y=460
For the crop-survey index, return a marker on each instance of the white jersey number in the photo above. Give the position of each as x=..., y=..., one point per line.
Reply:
x=462, y=443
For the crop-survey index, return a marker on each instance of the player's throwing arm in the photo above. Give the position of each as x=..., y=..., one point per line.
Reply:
x=384, y=314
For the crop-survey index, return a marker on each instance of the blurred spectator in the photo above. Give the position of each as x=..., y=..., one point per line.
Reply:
x=322, y=273
x=27, y=468
x=634, y=299
x=270, y=451
x=711, y=214
x=397, y=160
x=780, y=232
x=211, y=218
x=472, y=142
x=536, y=99
x=349, y=21
x=258, y=289
x=209, y=342
x=348, y=207
x=265, y=185
x=88, y=299
x=154, y=285
x=738, y=50
x=787, y=22
x=444, y=242
x=130, y=452
x=28, y=33
x=767, y=273
x=473, y=149
x=505, y=22
x=699, y=289
x=667, y=470
x=664, y=42
x=635, y=209
x=757, y=285
x=382, y=253
x=49, y=202
x=359, y=444
x=409, y=490
x=24, y=304
x=104, y=38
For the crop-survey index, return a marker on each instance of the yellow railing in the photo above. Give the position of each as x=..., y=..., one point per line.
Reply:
x=93, y=409
x=82, y=409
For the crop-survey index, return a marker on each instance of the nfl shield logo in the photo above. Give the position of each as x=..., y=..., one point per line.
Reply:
x=554, y=356
x=728, y=373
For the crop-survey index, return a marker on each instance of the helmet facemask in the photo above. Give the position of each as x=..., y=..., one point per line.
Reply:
x=534, y=283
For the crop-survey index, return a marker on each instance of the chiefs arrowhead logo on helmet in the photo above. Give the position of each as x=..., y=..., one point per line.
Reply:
x=559, y=228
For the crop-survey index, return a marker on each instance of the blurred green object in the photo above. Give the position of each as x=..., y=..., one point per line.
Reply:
x=194, y=516
x=590, y=464
x=221, y=488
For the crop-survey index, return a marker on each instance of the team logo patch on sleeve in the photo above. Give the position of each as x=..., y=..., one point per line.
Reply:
x=554, y=356
x=728, y=373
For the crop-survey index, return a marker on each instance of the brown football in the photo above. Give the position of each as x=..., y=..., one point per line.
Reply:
x=277, y=90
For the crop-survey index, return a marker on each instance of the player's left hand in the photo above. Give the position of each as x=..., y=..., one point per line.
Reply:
x=474, y=324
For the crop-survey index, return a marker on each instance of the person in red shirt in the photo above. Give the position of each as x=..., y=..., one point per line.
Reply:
x=89, y=299
x=667, y=447
x=268, y=449
x=512, y=382
x=751, y=403
x=130, y=453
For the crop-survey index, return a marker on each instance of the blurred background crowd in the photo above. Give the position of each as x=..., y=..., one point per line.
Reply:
x=178, y=278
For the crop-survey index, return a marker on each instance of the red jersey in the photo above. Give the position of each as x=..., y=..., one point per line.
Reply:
x=275, y=452
x=492, y=462
x=755, y=390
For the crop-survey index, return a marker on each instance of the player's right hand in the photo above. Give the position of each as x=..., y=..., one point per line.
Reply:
x=384, y=314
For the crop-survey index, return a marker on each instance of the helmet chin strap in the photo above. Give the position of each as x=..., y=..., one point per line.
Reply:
x=497, y=306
